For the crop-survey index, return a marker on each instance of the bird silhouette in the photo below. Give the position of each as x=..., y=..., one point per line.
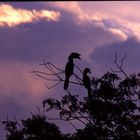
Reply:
x=86, y=81
x=70, y=68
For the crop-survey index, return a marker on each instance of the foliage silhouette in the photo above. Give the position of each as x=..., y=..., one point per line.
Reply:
x=112, y=112
x=34, y=128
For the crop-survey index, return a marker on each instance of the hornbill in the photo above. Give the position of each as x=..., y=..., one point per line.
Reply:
x=69, y=68
x=86, y=81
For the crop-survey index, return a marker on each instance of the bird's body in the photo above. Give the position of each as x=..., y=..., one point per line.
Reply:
x=68, y=72
x=70, y=68
x=86, y=80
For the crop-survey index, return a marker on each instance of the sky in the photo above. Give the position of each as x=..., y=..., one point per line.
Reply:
x=33, y=31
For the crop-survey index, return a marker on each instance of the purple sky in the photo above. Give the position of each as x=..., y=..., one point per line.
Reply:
x=33, y=31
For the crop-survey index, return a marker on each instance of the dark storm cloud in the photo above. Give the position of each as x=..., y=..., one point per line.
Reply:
x=33, y=42
x=105, y=55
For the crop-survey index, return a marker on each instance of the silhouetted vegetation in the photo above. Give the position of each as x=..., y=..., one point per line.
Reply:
x=111, y=111
x=34, y=128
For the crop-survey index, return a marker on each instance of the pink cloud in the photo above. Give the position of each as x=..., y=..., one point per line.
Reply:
x=17, y=81
x=122, y=16
x=11, y=16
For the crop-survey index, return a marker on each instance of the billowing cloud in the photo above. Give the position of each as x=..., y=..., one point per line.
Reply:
x=45, y=40
x=11, y=16
x=87, y=12
x=72, y=7
x=123, y=22
x=104, y=56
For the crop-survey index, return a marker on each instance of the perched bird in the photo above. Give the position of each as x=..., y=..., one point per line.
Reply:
x=86, y=81
x=70, y=68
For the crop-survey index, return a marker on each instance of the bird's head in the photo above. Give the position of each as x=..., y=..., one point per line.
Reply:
x=74, y=55
x=87, y=70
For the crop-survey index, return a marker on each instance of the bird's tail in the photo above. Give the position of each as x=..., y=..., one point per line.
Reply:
x=66, y=83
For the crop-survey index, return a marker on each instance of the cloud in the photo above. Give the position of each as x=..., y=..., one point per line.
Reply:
x=118, y=32
x=104, y=56
x=44, y=40
x=75, y=8
x=123, y=22
x=72, y=7
x=10, y=16
x=18, y=82
x=117, y=24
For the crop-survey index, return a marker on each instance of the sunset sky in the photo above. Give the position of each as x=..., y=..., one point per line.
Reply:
x=33, y=31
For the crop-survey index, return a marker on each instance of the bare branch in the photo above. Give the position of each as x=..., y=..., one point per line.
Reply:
x=119, y=65
x=53, y=85
x=45, y=77
x=78, y=79
x=121, y=70
x=35, y=71
x=50, y=64
x=122, y=60
x=78, y=69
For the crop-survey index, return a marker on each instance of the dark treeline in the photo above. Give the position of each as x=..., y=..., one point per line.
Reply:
x=110, y=109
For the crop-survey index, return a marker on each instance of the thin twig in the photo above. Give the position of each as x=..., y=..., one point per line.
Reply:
x=121, y=70
x=53, y=85
x=63, y=120
x=78, y=69
x=55, y=67
x=46, y=78
x=36, y=71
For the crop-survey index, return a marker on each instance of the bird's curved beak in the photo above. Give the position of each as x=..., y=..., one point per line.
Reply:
x=79, y=57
